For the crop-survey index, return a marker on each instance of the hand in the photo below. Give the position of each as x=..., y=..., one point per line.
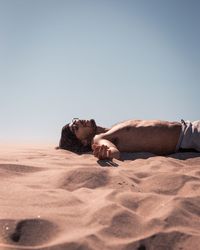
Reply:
x=101, y=151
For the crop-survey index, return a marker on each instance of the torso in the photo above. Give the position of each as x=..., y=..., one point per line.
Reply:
x=155, y=136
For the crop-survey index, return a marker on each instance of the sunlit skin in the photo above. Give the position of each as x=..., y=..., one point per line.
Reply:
x=155, y=136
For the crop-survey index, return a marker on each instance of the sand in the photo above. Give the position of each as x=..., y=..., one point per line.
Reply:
x=57, y=200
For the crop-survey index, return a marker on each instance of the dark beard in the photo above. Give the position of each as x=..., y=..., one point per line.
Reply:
x=91, y=136
x=93, y=123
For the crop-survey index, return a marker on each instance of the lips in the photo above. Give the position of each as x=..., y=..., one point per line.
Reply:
x=84, y=122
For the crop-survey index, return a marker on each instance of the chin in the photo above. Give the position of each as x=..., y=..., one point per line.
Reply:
x=93, y=123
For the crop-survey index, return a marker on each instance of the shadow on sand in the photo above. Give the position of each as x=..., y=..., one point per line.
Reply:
x=181, y=155
x=107, y=163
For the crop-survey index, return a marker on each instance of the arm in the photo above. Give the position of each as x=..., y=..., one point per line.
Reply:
x=104, y=149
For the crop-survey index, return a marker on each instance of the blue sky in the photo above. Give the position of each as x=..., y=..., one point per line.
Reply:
x=110, y=60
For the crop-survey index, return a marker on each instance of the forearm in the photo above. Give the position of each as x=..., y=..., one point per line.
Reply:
x=103, y=149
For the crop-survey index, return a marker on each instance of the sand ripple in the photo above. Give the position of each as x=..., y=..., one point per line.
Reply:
x=56, y=200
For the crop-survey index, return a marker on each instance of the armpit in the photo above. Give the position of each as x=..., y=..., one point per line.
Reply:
x=115, y=141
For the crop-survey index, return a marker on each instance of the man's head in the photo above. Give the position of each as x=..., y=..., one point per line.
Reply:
x=77, y=135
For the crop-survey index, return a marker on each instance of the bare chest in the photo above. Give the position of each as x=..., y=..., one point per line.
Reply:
x=155, y=137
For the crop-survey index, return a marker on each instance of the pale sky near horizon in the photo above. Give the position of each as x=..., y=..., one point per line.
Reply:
x=110, y=60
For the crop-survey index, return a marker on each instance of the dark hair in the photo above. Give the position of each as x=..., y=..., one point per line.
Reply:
x=68, y=141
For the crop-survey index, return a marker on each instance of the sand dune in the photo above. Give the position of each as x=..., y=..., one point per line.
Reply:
x=57, y=200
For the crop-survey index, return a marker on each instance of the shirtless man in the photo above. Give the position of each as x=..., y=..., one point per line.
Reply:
x=154, y=136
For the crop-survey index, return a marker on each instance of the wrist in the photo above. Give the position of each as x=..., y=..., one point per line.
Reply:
x=115, y=153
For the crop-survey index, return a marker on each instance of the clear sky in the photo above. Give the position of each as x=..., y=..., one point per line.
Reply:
x=110, y=60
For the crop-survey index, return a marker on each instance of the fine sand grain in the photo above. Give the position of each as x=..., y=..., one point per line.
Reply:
x=57, y=200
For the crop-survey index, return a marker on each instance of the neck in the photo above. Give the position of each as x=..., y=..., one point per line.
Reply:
x=100, y=130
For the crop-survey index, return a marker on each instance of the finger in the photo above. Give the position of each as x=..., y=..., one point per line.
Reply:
x=104, y=152
x=95, y=149
x=100, y=152
x=109, y=153
x=96, y=152
x=94, y=146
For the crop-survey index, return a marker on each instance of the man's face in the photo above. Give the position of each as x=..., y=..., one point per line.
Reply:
x=83, y=129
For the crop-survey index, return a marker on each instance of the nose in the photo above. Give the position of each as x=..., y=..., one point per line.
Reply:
x=85, y=122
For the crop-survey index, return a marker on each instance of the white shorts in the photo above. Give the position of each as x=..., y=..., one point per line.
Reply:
x=189, y=136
